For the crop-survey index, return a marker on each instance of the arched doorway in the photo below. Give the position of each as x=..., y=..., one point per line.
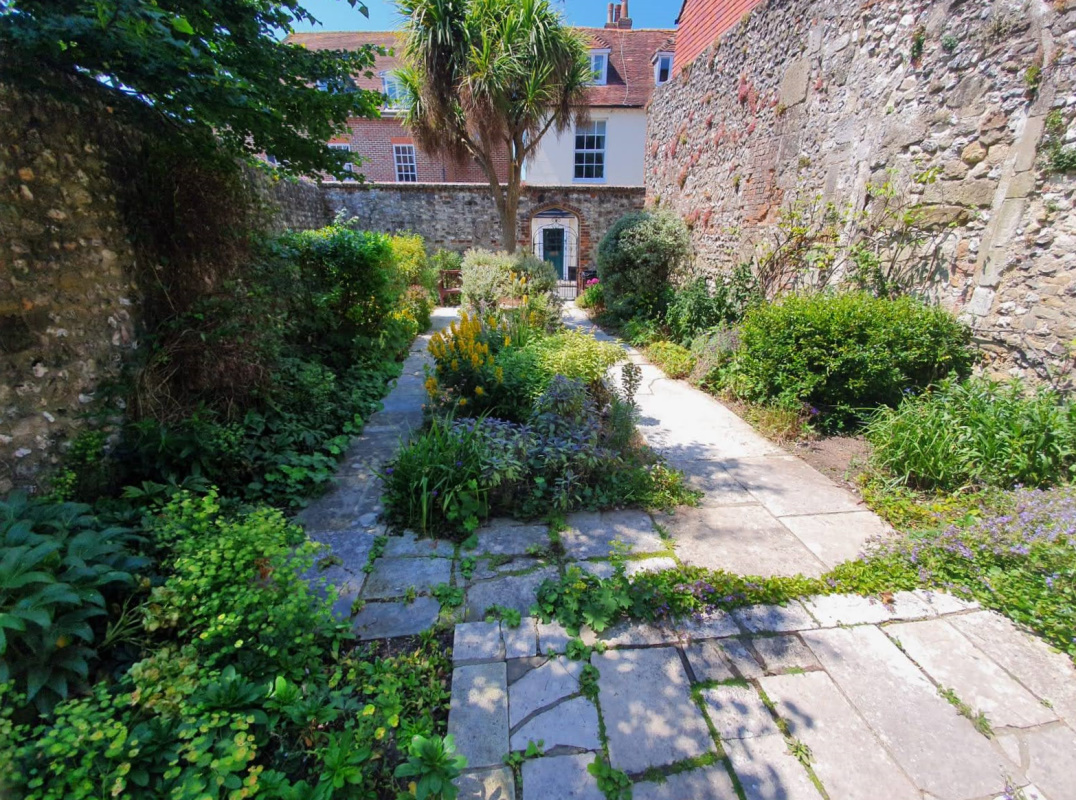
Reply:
x=555, y=238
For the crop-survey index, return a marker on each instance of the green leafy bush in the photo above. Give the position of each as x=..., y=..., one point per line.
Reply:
x=489, y=277
x=978, y=432
x=59, y=569
x=252, y=689
x=637, y=256
x=845, y=354
x=674, y=360
x=576, y=355
x=411, y=262
x=698, y=306
x=712, y=351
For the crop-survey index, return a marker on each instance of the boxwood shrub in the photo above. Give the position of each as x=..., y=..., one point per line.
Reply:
x=845, y=354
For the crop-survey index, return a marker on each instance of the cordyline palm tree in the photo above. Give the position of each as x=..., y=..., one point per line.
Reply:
x=482, y=76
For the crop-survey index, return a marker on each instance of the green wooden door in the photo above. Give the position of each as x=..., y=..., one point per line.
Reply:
x=553, y=249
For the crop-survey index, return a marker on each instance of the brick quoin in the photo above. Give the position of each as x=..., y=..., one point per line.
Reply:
x=701, y=22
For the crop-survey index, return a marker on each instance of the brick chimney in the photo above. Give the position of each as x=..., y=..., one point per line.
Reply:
x=622, y=19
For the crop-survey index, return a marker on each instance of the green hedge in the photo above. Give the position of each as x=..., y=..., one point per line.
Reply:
x=845, y=354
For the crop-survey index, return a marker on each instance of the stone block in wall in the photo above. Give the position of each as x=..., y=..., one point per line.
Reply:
x=793, y=87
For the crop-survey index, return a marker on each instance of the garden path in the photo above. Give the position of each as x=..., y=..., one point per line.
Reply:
x=837, y=696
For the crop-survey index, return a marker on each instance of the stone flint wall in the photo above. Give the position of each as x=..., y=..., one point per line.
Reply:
x=824, y=98
x=460, y=216
x=67, y=299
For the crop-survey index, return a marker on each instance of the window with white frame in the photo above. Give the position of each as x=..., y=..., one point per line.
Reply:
x=348, y=167
x=599, y=66
x=393, y=89
x=590, y=151
x=663, y=68
x=406, y=166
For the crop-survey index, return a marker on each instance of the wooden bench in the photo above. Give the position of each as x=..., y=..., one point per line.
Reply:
x=450, y=286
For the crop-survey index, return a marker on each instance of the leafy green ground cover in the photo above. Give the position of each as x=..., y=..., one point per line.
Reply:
x=162, y=641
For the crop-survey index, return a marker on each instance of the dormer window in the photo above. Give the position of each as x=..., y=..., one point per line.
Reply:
x=599, y=66
x=662, y=68
x=393, y=89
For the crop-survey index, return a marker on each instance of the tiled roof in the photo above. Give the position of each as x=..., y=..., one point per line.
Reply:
x=630, y=77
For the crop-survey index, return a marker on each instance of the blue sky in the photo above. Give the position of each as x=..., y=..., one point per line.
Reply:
x=337, y=15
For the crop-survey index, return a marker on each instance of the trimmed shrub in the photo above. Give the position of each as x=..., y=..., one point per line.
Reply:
x=674, y=360
x=695, y=308
x=979, y=432
x=637, y=256
x=845, y=354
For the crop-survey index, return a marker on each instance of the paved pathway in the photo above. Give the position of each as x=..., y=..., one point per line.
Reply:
x=836, y=695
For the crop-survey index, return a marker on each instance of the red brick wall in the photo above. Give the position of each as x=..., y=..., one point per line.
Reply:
x=702, y=22
x=372, y=139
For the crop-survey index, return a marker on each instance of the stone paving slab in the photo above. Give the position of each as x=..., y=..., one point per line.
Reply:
x=512, y=591
x=767, y=770
x=738, y=712
x=787, y=485
x=351, y=547
x=952, y=661
x=919, y=728
x=783, y=653
x=560, y=777
x=388, y=620
x=1051, y=760
x=653, y=727
x=410, y=546
x=705, y=626
x=1047, y=673
x=487, y=784
x=747, y=540
x=709, y=661
x=508, y=537
x=555, y=680
x=707, y=783
x=634, y=634
x=591, y=534
x=845, y=755
x=497, y=567
x=475, y=642
x=573, y=723
x=843, y=609
x=478, y=713
x=774, y=619
x=521, y=641
x=719, y=488
x=393, y=577
x=835, y=538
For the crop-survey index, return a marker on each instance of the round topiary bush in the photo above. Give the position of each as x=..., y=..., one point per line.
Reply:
x=637, y=256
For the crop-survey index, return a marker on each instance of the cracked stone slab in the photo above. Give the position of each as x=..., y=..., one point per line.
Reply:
x=650, y=717
x=502, y=537
x=767, y=770
x=487, y=569
x=944, y=603
x=487, y=784
x=591, y=534
x=478, y=713
x=774, y=619
x=738, y=712
x=552, y=637
x=393, y=577
x=474, y=642
x=922, y=730
x=835, y=538
x=1051, y=760
x=635, y=634
x=340, y=509
x=954, y=662
x=708, y=661
x=556, y=679
x=1050, y=675
x=783, y=653
x=410, y=546
x=561, y=777
x=512, y=591
x=818, y=715
x=706, y=783
x=573, y=723
x=747, y=540
x=388, y=620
